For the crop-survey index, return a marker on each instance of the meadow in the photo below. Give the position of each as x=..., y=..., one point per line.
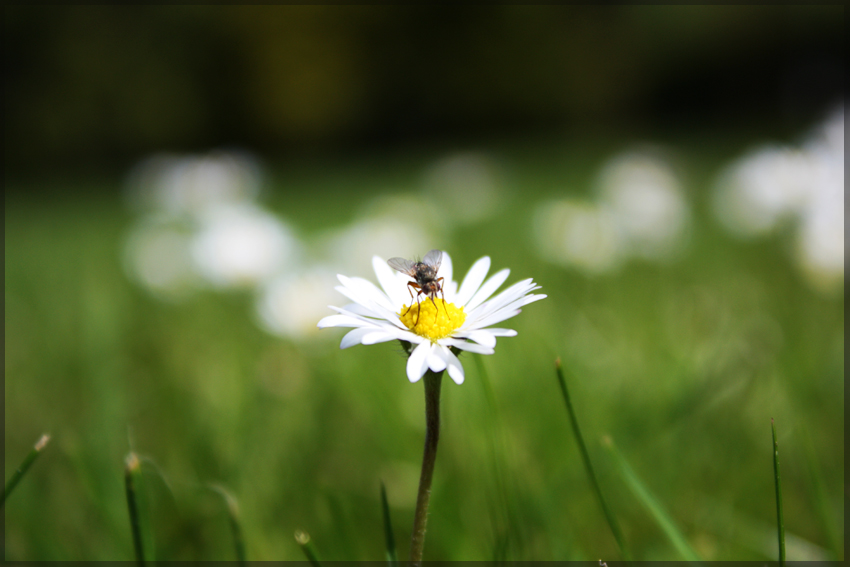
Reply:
x=681, y=363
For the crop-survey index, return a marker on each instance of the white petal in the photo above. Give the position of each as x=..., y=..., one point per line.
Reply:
x=416, y=363
x=388, y=280
x=496, y=317
x=446, y=271
x=484, y=338
x=371, y=321
x=340, y=321
x=472, y=281
x=454, y=366
x=516, y=291
x=367, y=289
x=398, y=332
x=450, y=291
x=377, y=310
x=354, y=337
x=488, y=288
x=436, y=359
x=359, y=310
x=486, y=314
x=466, y=345
x=501, y=332
x=376, y=337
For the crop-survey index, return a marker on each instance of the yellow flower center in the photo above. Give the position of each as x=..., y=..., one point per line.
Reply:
x=432, y=321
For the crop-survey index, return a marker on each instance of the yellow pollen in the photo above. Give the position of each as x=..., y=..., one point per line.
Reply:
x=432, y=321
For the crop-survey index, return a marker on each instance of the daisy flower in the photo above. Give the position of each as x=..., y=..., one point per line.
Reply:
x=433, y=327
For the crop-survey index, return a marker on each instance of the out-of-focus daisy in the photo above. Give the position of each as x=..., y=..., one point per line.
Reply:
x=645, y=197
x=194, y=183
x=764, y=188
x=382, y=227
x=467, y=182
x=578, y=234
x=290, y=304
x=434, y=329
x=242, y=246
x=157, y=254
x=804, y=187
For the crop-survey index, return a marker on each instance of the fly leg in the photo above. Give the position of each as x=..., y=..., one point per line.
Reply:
x=443, y=293
x=418, y=288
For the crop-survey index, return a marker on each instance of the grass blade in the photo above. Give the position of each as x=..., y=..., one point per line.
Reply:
x=819, y=495
x=780, y=522
x=392, y=554
x=233, y=516
x=645, y=496
x=303, y=539
x=22, y=469
x=508, y=535
x=609, y=516
x=142, y=535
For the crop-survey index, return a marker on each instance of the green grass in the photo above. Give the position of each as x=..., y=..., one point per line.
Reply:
x=681, y=363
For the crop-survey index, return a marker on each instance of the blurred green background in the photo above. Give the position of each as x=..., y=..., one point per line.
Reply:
x=681, y=360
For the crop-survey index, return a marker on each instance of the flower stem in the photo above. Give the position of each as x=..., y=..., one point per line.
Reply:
x=433, y=381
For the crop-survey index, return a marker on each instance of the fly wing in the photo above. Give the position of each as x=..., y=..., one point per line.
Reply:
x=434, y=258
x=403, y=265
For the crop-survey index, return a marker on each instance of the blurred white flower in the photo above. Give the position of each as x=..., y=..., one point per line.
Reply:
x=290, y=304
x=828, y=137
x=645, y=198
x=467, y=185
x=762, y=189
x=820, y=245
x=240, y=246
x=577, y=234
x=640, y=211
x=157, y=255
x=803, y=186
x=192, y=184
x=386, y=227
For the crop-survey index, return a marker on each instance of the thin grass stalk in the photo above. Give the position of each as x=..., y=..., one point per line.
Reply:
x=132, y=480
x=512, y=534
x=668, y=526
x=780, y=522
x=609, y=516
x=392, y=553
x=819, y=495
x=24, y=466
x=433, y=382
x=232, y=507
x=303, y=539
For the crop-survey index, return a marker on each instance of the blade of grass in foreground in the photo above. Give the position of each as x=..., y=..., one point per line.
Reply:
x=818, y=488
x=645, y=496
x=233, y=517
x=22, y=469
x=780, y=523
x=508, y=530
x=609, y=516
x=142, y=534
x=392, y=554
x=303, y=539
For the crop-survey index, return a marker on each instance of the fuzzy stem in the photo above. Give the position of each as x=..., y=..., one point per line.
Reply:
x=433, y=381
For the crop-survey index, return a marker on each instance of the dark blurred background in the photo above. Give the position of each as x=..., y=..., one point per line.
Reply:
x=94, y=88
